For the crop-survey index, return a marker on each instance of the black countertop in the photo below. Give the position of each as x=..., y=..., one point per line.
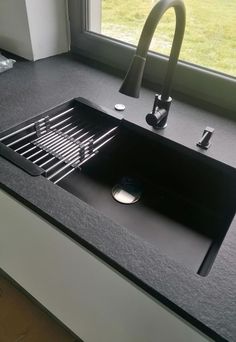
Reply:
x=32, y=88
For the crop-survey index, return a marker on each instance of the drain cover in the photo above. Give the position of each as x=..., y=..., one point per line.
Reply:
x=127, y=191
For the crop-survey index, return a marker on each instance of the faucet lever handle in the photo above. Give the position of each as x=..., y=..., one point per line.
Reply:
x=204, y=142
x=155, y=104
x=158, y=117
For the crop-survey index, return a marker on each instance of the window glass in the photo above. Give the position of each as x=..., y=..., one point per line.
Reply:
x=210, y=36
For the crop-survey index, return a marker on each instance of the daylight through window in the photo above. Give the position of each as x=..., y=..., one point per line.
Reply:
x=210, y=36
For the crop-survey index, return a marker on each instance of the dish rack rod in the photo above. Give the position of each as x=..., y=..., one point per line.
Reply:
x=33, y=124
x=62, y=147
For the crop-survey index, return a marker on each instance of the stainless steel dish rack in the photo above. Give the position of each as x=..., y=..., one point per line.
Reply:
x=59, y=144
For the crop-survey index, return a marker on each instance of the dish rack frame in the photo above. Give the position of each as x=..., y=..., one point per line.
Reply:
x=60, y=141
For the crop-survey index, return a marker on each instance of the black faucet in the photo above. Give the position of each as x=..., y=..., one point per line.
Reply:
x=132, y=82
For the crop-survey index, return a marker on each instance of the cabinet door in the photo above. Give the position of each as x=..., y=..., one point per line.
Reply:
x=94, y=301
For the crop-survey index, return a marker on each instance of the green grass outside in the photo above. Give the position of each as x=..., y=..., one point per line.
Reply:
x=210, y=36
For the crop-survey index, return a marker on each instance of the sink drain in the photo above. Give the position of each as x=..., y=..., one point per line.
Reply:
x=127, y=191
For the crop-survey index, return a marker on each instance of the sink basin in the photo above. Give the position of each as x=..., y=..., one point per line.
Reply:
x=178, y=200
x=186, y=202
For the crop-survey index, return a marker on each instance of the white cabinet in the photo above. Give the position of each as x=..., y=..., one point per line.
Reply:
x=34, y=29
x=93, y=300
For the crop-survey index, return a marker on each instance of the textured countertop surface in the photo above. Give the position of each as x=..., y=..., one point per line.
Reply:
x=32, y=88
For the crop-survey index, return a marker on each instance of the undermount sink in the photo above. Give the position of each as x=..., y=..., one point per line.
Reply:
x=181, y=201
x=186, y=204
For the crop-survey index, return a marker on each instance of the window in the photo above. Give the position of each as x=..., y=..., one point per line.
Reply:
x=210, y=35
x=111, y=28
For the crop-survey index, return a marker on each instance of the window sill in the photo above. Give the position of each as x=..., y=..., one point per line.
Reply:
x=202, y=85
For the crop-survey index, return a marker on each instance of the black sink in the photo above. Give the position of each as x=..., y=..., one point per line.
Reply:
x=183, y=201
x=187, y=201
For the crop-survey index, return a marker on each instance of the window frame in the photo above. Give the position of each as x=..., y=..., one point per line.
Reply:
x=199, y=83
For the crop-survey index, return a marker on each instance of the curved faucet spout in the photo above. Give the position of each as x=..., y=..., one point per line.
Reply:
x=133, y=79
x=132, y=82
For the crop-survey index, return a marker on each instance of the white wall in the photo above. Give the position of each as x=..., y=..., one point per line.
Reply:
x=34, y=29
x=14, y=28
